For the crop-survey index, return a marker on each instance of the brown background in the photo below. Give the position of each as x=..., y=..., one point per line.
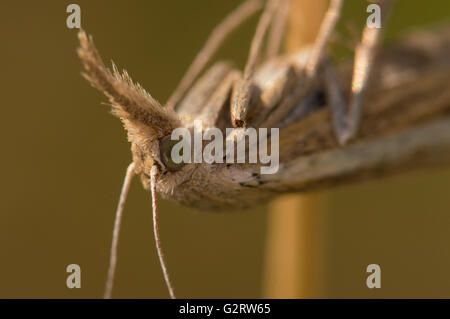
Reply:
x=64, y=156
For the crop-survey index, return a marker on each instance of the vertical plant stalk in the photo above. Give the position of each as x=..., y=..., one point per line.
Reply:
x=294, y=248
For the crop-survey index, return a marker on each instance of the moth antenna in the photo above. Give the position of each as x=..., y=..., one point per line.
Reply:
x=115, y=239
x=153, y=174
x=217, y=36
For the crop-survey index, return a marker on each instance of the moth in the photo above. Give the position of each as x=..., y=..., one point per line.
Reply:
x=273, y=91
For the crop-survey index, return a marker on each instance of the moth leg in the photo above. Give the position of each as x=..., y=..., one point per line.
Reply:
x=243, y=89
x=336, y=100
x=346, y=121
x=197, y=97
x=216, y=112
x=327, y=27
x=346, y=117
x=216, y=38
x=325, y=32
x=276, y=100
x=304, y=86
x=277, y=29
x=364, y=60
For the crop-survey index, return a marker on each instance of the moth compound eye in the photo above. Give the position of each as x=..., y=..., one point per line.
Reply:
x=166, y=146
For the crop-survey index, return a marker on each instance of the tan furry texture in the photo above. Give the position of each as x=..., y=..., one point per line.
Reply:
x=310, y=157
x=144, y=118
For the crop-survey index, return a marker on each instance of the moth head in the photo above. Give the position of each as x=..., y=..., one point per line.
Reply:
x=148, y=124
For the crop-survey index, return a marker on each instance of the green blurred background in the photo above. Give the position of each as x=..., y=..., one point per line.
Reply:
x=64, y=158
